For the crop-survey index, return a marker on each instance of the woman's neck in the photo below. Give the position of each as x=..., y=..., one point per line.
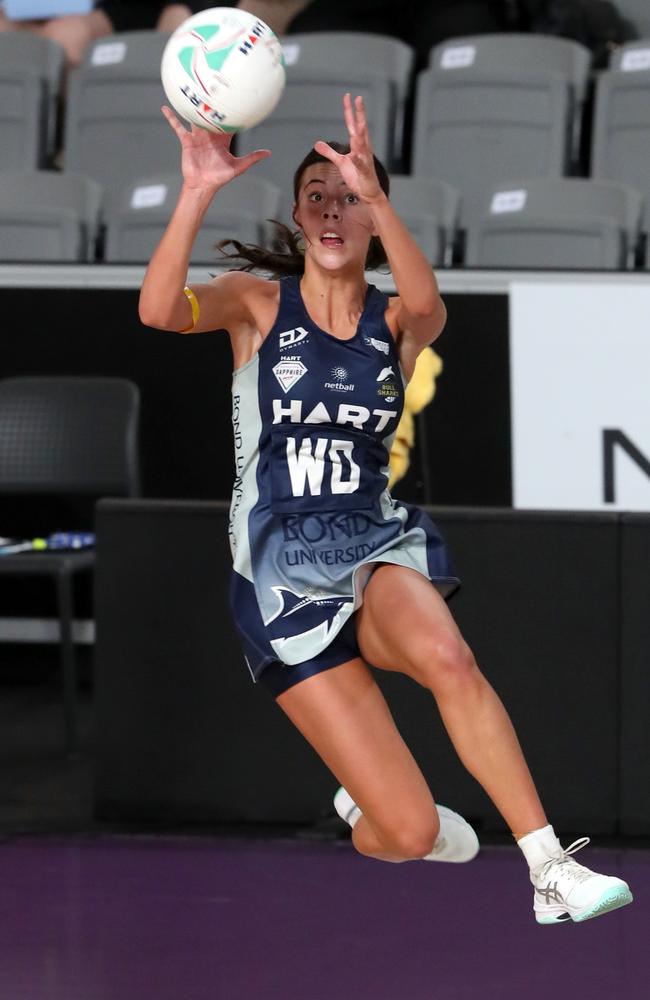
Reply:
x=336, y=299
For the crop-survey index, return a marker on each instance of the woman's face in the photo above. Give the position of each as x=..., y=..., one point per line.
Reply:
x=337, y=226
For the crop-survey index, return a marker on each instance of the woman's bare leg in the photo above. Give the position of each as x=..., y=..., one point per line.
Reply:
x=404, y=625
x=343, y=715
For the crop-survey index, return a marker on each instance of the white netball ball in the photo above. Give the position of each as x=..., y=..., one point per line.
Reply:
x=223, y=70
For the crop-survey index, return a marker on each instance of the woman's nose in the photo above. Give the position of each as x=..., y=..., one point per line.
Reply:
x=331, y=211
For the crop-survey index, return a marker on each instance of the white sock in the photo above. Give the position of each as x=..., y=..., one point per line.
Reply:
x=539, y=846
x=346, y=807
x=354, y=816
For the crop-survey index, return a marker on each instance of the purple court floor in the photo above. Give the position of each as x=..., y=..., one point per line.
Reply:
x=222, y=919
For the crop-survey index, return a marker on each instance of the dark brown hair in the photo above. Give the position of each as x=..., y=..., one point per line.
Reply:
x=286, y=256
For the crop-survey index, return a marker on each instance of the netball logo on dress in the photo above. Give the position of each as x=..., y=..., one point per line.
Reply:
x=290, y=337
x=341, y=384
x=288, y=373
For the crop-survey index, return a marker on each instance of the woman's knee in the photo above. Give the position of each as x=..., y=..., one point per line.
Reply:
x=443, y=663
x=411, y=838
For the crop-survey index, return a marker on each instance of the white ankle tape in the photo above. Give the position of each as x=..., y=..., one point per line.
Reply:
x=536, y=835
x=540, y=845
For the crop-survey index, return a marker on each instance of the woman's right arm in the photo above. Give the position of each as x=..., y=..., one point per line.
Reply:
x=207, y=165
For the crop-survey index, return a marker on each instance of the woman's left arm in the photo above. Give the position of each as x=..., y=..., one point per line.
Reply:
x=420, y=313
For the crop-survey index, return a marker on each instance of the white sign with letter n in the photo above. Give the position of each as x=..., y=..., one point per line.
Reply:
x=580, y=395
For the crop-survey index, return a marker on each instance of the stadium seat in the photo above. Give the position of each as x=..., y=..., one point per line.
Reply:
x=47, y=216
x=637, y=12
x=115, y=130
x=495, y=106
x=320, y=69
x=239, y=211
x=429, y=209
x=519, y=51
x=631, y=57
x=558, y=223
x=621, y=134
x=345, y=59
x=66, y=437
x=30, y=83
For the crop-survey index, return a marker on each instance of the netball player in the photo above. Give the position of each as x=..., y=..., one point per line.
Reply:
x=330, y=573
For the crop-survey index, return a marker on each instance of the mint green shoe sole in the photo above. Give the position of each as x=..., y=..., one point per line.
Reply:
x=612, y=899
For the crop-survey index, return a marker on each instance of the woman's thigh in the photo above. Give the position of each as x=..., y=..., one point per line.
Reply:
x=405, y=625
x=344, y=716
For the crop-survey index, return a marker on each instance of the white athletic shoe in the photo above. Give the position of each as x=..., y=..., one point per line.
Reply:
x=456, y=841
x=565, y=890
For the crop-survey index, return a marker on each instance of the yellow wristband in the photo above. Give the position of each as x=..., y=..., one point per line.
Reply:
x=194, y=302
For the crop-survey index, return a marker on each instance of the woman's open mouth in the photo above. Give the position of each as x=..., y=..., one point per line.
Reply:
x=331, y=239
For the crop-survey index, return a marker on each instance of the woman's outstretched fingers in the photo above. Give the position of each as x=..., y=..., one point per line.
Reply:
x=349, y=115
x=173, y=121
x=360, y=110
x=326, y=150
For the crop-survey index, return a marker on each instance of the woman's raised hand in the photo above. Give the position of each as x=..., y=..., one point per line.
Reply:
x=206, y=162
x=357, y=167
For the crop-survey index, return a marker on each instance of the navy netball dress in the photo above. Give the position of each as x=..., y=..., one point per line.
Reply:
x=314, y=418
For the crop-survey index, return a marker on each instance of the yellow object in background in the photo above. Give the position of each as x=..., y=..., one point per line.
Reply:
x=419, y=393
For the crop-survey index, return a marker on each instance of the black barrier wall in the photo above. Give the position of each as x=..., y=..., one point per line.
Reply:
x=183, y=736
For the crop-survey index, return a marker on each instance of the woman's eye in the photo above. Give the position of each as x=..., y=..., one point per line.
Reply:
x=315, y=196
x=351, y=199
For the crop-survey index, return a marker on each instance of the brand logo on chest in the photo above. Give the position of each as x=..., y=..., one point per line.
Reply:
x=290, y=337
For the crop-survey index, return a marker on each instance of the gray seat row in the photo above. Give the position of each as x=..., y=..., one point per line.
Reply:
x=487, y=108
x=532, y=222
x=62, y=217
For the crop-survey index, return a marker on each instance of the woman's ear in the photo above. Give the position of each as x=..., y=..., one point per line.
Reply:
x=294, y=216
